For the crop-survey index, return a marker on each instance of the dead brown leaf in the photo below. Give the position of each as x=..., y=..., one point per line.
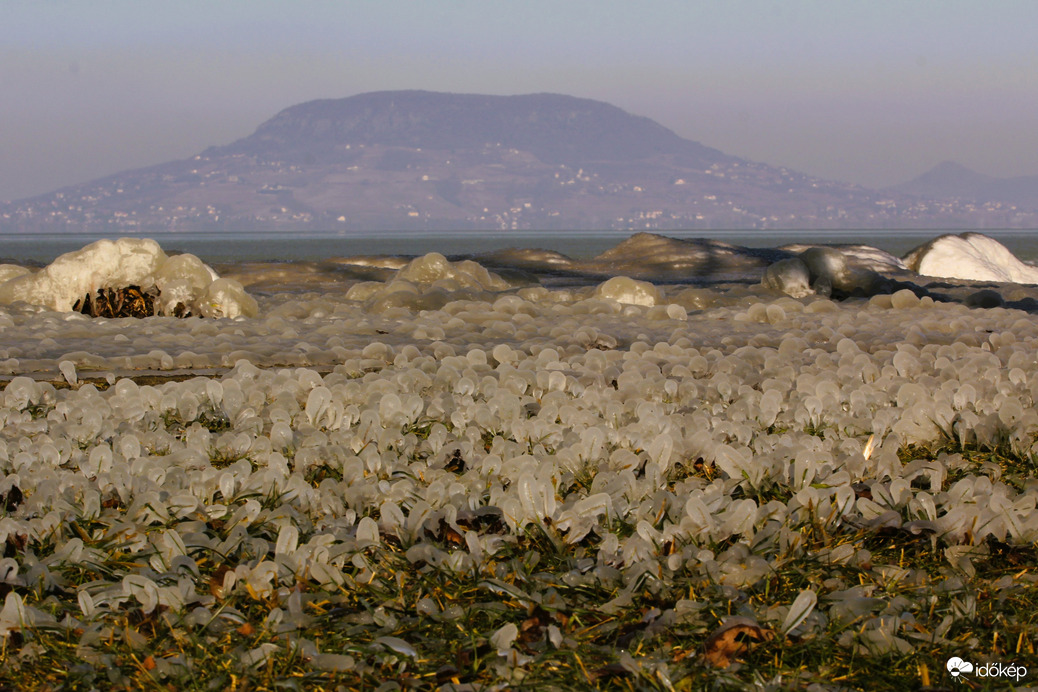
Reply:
x=732, y=639
x=216, y=581
x=532, y=628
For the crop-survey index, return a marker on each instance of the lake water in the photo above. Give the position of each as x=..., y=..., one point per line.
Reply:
x=231, y=247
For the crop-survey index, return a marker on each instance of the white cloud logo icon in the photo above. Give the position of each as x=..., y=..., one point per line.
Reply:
x=956, y=666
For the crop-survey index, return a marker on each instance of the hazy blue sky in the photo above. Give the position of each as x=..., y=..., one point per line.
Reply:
x=870, y=92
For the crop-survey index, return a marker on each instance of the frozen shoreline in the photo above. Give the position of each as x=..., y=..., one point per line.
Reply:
x=321, y=314
x=893, y=365
x=667, y=435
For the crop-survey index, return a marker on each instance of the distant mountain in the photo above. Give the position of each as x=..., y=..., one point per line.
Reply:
x=556, y=129
x=423, y=160
x=950, y=180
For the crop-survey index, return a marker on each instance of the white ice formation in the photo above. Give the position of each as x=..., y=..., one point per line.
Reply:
x=181, y=279
x=971, y=256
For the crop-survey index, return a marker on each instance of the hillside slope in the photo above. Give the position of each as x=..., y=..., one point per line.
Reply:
x=424, y=160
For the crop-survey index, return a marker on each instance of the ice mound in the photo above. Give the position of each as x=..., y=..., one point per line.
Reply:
x=427, y=283
x=433, y=267
x=647, y=255
x=628, y=291
x=185, y=285
x=527, y=258
x=859, y=256
x=972, y=256
x=790, y=276
x=10, y=271
x=849, y=271
x=226, y=298
x=102, y=264
x=325, y=275
x=825, y=271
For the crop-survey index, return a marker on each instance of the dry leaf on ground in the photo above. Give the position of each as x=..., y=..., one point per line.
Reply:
x=735, y=637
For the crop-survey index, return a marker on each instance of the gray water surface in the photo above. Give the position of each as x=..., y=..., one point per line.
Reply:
x=248, y=246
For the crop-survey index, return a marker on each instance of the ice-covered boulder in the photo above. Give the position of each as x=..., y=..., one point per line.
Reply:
x=829, y=271
x=428, y=283
x=182, y=280
x=102, y=264
x=656, y=257
x=972, y=256
x=434, y=267
x=790, y=276
x=183, y=283
x=629, y=291
x=828, y=264
x=226, y=298
x=10, y=271
x=825, y=262
x=857, y=256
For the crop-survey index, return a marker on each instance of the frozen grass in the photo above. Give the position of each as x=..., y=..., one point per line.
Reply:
x=540, y=614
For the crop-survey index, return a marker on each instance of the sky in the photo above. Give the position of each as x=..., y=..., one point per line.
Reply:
x=873, y=93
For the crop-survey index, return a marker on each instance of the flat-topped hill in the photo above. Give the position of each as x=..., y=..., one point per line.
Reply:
x=557, y=129
x=414, y=160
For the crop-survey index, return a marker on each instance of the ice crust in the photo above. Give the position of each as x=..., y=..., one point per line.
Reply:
x=127, y=262
x=565, y=409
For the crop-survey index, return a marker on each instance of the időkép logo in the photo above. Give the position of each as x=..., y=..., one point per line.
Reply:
x=960, y=669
